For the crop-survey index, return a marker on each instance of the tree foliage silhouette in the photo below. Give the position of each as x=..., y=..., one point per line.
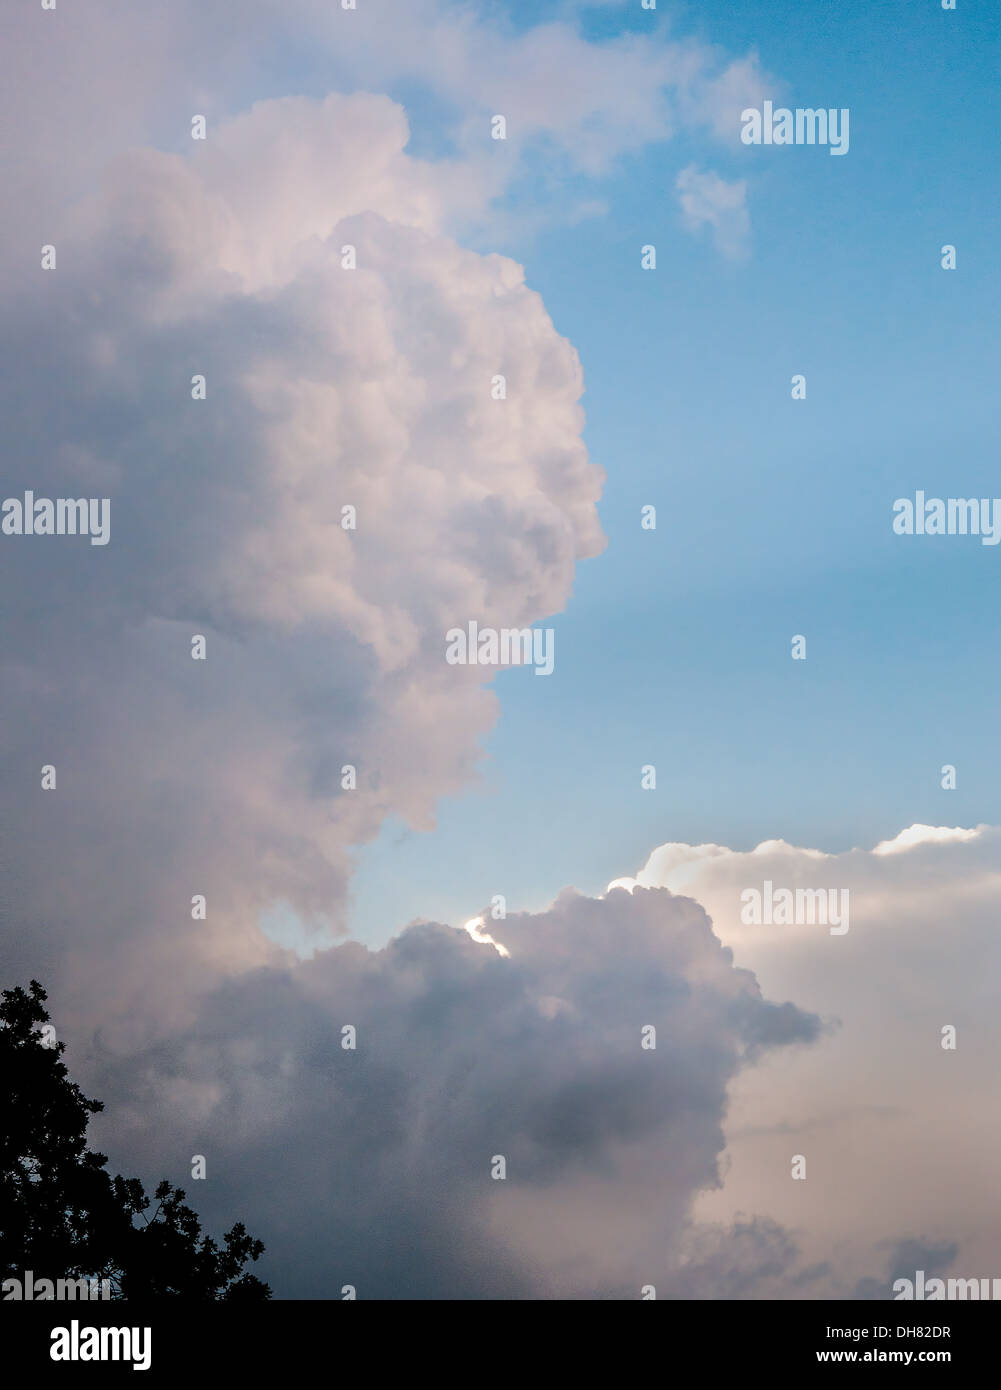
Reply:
x=63, y=1216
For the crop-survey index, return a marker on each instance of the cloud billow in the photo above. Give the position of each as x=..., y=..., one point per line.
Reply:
x=325, y=388
x=378, y=1157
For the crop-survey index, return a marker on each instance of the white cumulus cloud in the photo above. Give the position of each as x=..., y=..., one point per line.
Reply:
x=898, y=1133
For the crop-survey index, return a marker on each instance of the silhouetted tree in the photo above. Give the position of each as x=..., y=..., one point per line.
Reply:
x=63, y=1216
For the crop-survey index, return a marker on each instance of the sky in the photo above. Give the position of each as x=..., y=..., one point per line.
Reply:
x=773, y=515
x=210, y=906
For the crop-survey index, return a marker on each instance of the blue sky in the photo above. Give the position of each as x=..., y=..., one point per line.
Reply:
x=773, y=515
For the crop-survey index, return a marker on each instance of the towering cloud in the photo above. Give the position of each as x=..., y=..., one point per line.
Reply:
x=326, y=388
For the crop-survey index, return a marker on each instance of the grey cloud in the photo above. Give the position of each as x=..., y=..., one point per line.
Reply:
x=372, y=1167
x=906, y=1258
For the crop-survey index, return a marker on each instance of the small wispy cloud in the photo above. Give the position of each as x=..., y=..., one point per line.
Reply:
x=707, y=199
